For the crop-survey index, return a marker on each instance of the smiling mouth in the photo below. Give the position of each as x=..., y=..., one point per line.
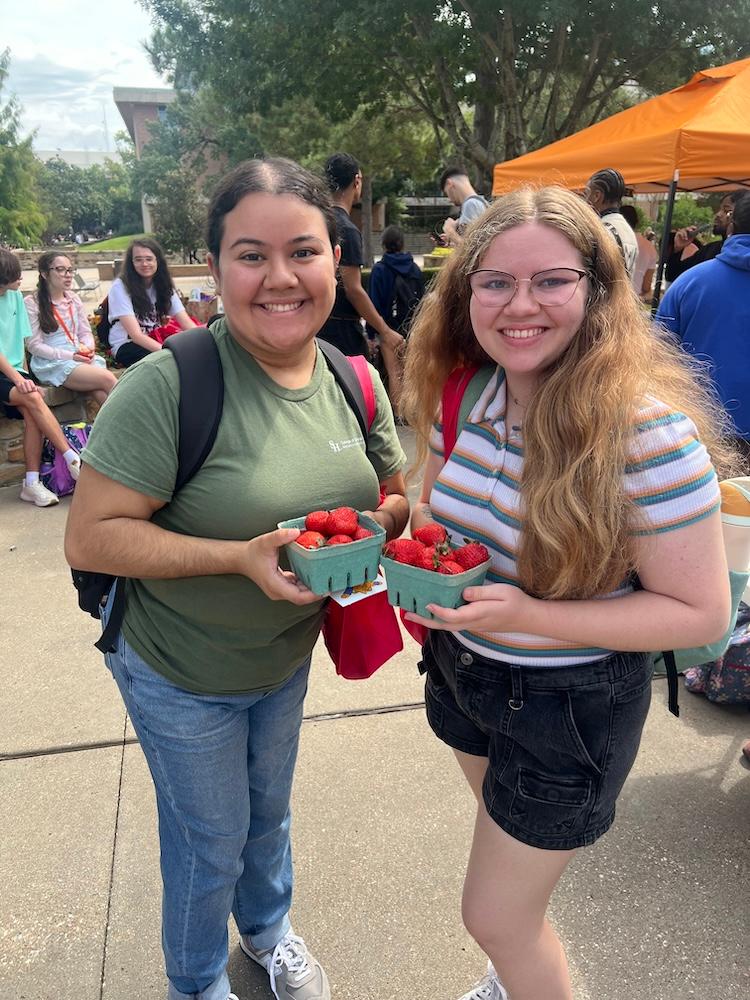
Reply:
x=281, y=307
x=534, y=331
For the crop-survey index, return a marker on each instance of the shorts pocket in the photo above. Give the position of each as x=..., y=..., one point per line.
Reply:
x=549, y=805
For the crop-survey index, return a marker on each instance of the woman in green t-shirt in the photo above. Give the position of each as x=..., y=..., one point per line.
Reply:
x=214, y=652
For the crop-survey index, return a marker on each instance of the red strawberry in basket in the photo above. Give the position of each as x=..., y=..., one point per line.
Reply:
x=340, y=540
x=470, y=555
x=404, y=550
x=429, y=557
x=431, y=534
x=342, y=521
x=316, y=521
x=361, y=533
x=449, y=568
x=311, y=540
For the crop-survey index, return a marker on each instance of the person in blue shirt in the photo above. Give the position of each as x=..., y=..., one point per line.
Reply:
x=396, y=270
x=708, y=308
x=20, y=397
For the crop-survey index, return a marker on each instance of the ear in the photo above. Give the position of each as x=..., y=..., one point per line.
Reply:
x=213, y=267
x=336, y=255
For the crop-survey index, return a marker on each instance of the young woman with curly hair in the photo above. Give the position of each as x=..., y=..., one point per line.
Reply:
x=588, y=458
x=142, y=299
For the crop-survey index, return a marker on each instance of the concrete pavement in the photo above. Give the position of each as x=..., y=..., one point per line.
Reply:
x=657, y=910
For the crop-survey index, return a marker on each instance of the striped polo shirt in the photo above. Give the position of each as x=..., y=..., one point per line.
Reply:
x=669, y=477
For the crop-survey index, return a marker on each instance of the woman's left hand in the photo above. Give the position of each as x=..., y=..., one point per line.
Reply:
x=496, y=607
x=83, y=359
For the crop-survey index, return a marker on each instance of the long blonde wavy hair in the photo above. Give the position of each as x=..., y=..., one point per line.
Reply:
x=577, y=538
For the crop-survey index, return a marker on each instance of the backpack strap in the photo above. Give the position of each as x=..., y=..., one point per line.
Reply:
x=460, y=392
x=350, y=383
x=671, y=666
x=199, y=415
x=201, y=399
x=362, y=371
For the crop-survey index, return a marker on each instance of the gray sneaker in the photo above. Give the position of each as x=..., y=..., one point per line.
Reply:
x=294, y=973
x=489, y=987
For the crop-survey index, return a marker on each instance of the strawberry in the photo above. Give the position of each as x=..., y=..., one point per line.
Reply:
x=429, y=558
x=470, y=555
x=311, y=540
x=339, y=540
x=404, y=550
x=361, y=533
x=342, y=521
x=431, y=534
x=449, y=568
x=316, y=521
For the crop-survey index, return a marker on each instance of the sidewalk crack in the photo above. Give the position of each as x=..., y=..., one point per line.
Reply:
x=112, y=865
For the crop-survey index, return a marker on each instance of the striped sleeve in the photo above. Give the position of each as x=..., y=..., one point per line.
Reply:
x=669, y=476
x=436, y=439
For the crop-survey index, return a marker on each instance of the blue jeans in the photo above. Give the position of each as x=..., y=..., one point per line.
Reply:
x=222, y=768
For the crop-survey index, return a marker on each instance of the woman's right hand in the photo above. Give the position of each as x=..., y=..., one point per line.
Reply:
x=260, y=563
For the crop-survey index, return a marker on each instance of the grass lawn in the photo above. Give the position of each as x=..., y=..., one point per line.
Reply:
x=117, y=243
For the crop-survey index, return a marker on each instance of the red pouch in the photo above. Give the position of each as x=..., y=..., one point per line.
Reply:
x=415, y=630
x=160, y=333
x=361, y=637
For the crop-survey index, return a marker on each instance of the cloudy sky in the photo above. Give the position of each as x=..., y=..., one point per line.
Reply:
x=66, y=56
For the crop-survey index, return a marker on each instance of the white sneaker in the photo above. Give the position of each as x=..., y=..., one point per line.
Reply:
x=39, y=495
x=233, y=996
x=74, y=468
x=295, y=974
x=489, y=987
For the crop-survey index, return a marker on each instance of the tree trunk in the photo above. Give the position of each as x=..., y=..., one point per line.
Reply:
x=367, y=218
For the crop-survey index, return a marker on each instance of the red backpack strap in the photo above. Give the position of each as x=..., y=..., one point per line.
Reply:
x=362, y=371
x=453, y=393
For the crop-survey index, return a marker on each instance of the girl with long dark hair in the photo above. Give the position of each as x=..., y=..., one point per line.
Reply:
x=142, y=299
x=62, y=344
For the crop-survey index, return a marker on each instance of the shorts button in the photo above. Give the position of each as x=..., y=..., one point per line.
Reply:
x=466, y=659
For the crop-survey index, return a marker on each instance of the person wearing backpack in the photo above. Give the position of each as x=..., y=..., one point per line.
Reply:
x=213, y=656
x=141, y=301
x=396, y=283
x=587, y=457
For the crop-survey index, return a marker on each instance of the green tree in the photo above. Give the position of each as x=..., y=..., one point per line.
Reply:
x=21, y=218
x=88, y=199
x=492, y=82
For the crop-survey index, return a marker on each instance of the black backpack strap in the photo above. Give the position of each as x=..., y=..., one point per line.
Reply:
x=201, y=399
x=348, y=381
x=106, y=641
x=671, y=665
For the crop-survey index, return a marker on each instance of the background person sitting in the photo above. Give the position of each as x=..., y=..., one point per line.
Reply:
x=20, y=398
x=647, y=259
x=62, y=345
x=396, y=283
x=456, y=186
x=141, y=300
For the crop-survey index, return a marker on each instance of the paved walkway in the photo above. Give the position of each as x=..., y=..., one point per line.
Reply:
x=657, y=910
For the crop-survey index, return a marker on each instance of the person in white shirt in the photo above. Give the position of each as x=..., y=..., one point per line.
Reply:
x=455, y=185
x=61, y=348
x=645, y=265
x=604, y=192
x=141, y=301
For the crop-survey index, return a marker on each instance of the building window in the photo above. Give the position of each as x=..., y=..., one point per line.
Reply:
x=162, y=112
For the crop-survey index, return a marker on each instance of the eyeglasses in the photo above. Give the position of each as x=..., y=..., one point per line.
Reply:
x=64, y=270
x=549, y=288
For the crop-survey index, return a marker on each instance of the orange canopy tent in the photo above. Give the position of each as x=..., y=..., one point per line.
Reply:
x=697, y=136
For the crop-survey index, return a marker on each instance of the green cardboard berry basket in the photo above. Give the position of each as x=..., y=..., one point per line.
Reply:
x=413, y=588
x=327, y=570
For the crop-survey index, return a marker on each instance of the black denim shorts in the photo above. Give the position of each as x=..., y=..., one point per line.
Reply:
x=560, y=741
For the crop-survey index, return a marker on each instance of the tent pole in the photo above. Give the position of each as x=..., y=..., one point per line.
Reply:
x=664, y=242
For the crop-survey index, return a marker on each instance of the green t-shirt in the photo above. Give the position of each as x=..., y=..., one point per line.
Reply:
x=14, y=328
x=279, y=453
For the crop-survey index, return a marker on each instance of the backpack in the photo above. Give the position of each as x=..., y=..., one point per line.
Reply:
x=199, y=415
x=462, y=389
x=726, y=681
x=408, y=290
x=103, y=326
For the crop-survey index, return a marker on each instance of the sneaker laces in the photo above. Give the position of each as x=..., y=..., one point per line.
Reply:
x=291, y=953
x=488, y=988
